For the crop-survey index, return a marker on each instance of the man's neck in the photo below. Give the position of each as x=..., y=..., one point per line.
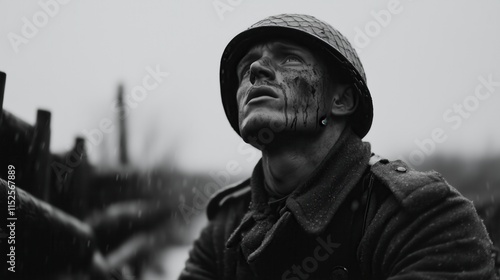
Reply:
x=288, y=164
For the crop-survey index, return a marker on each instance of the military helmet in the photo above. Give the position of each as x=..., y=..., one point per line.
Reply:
x=302, y=28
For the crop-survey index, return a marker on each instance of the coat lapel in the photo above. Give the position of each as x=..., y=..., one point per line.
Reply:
x=310, y=207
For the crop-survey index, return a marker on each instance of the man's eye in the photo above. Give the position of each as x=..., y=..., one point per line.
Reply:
x=292, y=59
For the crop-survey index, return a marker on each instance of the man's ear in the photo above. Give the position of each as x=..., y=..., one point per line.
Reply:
x=345, y=101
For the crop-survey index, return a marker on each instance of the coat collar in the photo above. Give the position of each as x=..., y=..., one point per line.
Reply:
x=314, y=203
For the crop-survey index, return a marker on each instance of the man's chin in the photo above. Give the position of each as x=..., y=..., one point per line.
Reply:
x=260, y=133
x=249, y=132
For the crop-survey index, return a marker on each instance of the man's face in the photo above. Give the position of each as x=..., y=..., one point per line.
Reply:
x=284, y=87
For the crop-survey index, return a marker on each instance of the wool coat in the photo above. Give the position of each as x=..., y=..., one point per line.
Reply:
x=352, y=219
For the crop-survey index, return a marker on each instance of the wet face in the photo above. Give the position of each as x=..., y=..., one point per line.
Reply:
x=284, y=87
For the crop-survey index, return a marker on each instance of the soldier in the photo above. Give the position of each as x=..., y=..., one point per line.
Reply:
x=319, y=204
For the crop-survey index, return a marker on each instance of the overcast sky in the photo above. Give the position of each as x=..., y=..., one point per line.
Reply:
x=421, y=61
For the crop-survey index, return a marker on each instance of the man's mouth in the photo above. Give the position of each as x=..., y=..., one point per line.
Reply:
x=260, y=92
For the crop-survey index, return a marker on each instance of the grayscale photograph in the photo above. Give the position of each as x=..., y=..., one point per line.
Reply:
x=249, y=140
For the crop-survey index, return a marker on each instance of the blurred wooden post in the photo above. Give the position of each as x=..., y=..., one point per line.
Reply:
x=3, y=77
x=39, y=152
x=79, y=186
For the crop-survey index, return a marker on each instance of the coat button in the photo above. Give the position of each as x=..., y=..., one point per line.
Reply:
x=340, y=273
x=401, y=169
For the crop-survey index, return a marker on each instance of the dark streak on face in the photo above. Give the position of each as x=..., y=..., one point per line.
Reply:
x=304, y=84
x=285, y=97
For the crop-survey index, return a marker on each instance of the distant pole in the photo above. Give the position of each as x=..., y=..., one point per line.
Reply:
x=122, y=127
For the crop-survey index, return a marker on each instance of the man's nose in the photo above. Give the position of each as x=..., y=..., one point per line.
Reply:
x=262, y=69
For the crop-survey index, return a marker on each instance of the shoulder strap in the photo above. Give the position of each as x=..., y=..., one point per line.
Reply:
x=414, y=190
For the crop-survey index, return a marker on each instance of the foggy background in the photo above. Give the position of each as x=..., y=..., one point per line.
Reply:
x=423, y=60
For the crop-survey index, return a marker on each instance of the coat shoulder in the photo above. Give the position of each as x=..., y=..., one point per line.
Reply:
x=232, y=192
x=414, y=190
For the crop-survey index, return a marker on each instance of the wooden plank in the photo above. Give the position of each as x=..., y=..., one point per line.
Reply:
x=15, y=140
x=52, y=242
x=39, y=153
